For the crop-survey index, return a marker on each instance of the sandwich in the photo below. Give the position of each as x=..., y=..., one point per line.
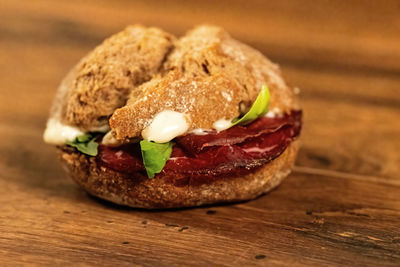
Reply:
x=153, y=121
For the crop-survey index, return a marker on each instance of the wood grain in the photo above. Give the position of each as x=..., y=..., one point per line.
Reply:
x=340, y=206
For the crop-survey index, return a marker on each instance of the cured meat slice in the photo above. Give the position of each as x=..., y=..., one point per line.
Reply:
x=196, y=158
x=238, y=134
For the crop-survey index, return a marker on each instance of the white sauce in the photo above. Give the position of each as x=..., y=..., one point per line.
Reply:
x=222, y=124
x=273, y=113
x=109, y=140
x=57, y=133
x=165, y=126
x=200, y=131
x=101, y=129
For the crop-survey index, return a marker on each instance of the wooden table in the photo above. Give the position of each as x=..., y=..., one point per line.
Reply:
x=340, y=206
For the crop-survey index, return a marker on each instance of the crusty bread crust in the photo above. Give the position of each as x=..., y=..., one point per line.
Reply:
x=137, y=73
x=196, y=97
x=141, y=192
x=103, y=79
x=206, y=68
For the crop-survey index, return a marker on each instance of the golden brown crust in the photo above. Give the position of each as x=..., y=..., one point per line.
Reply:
x=156, y=193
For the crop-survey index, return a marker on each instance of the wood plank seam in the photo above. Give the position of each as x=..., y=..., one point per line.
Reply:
x=344, y=175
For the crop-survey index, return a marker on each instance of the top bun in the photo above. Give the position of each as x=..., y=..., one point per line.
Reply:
x=139, y=72
x=102, y=81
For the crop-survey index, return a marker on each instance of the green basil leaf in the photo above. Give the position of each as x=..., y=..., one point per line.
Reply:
x=155, y=155
x=84, y=138
x=259, y=108
x=85, y=143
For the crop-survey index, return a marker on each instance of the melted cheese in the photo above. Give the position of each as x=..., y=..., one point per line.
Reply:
x=165, y=126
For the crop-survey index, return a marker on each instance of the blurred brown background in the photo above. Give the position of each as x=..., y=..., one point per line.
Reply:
x=342, y=202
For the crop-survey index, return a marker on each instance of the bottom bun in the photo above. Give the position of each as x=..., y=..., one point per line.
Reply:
x=140, y=192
